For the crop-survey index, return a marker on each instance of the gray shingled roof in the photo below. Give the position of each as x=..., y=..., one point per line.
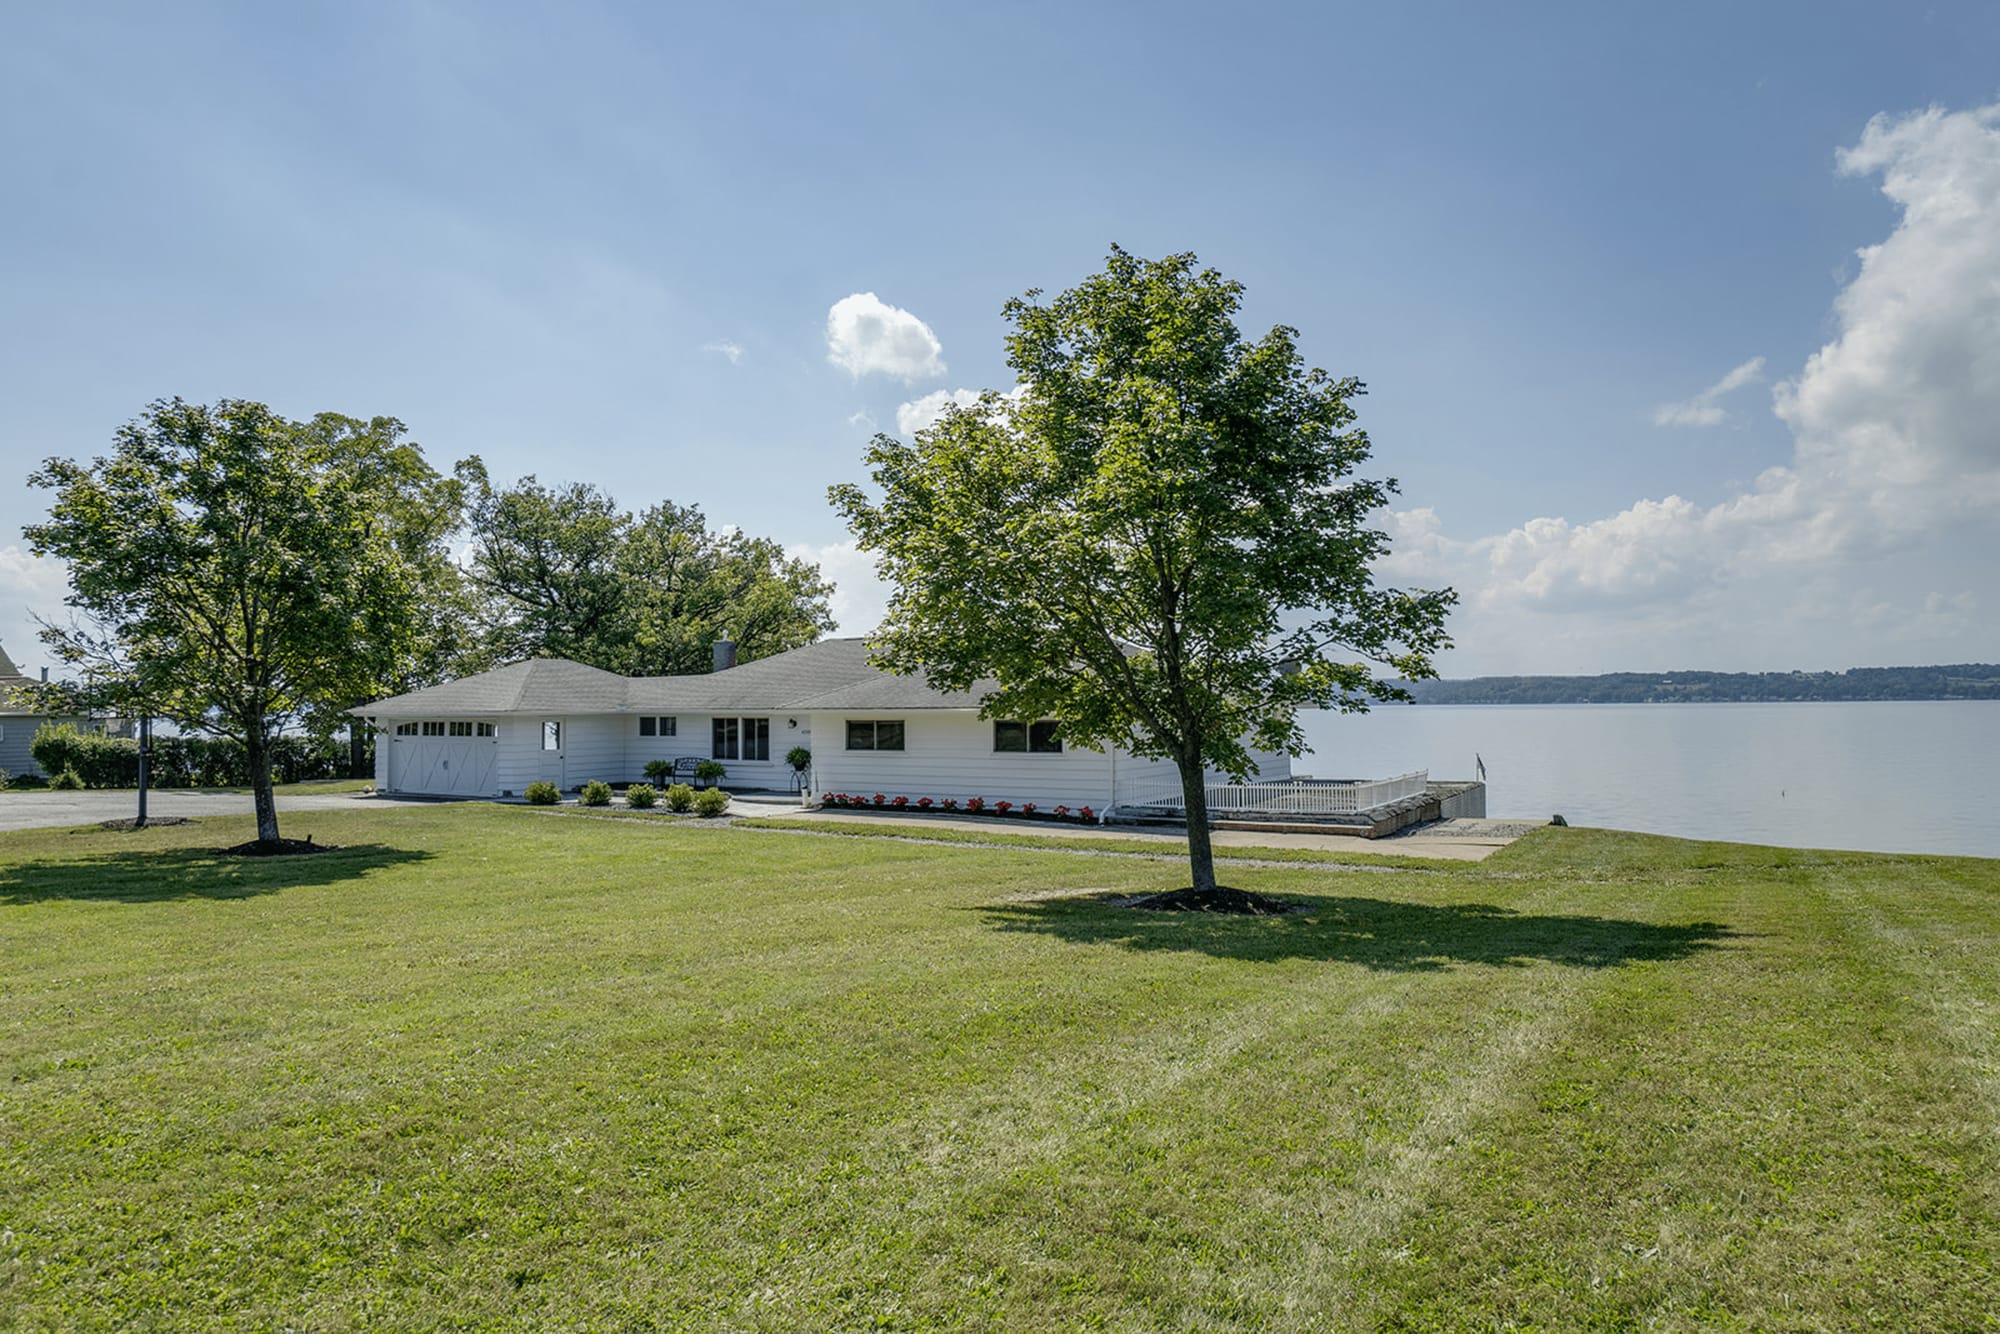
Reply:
x=542, y=685
x=833, y=674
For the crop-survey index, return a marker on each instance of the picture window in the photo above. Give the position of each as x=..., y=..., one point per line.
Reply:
x=1017, y=738
x=874, y=734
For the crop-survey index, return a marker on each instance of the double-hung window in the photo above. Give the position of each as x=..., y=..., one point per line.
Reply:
x=1037, y=738
x=874, y=734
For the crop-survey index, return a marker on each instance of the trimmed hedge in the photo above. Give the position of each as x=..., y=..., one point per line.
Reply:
x=184, y=761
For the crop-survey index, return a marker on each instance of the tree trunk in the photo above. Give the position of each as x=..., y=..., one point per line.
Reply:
x=258, y=751
x=356, y=746
x=1194, y=793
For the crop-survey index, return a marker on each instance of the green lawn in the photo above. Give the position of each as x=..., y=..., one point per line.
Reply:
x=492, y=1068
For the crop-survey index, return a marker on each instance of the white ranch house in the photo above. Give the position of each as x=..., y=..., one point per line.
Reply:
x=492, y=734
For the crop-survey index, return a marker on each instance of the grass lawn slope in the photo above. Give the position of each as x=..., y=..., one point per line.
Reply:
x=490, y=1068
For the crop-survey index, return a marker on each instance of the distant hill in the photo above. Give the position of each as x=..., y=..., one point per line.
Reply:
x=1966, y=680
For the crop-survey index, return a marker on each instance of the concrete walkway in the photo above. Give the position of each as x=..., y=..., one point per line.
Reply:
x=1452, y=840
x=57, y=810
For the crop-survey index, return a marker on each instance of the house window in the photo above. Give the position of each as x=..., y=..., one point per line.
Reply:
x=659, y=726
x=406, y=729
x=487, y=729
x=434, y=729
x=461, y=729
x=1038, y=738
x=742, y=738
x=551, y=736
x=874, y=734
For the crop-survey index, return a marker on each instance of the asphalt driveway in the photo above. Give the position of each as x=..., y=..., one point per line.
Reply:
x=55, y=810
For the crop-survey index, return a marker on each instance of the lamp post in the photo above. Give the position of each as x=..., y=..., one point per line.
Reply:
x=145, y=766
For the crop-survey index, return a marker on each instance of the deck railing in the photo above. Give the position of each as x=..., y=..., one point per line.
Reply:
x=1298, y=796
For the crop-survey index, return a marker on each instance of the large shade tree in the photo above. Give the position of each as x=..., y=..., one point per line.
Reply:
x=239, y=573
x=1159, y=541
x=564, y=572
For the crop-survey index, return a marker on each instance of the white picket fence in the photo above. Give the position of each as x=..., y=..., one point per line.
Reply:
x=1298, y=796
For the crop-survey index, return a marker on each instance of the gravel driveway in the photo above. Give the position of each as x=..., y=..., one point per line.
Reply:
x=54, y=810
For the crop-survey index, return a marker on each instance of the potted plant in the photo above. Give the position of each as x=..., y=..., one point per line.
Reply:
x=709, y=772
x=801, y=761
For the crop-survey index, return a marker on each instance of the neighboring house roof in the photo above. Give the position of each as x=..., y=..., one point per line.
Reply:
x=833, y=674
x=11, y=680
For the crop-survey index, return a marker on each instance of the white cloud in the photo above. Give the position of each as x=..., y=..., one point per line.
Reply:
x=867, y=336
x=861, y=421
x=860, y=598
x=1703, y=409
x=1858, y=549
x=30, y=585
x=915, y=415
x=732, y=350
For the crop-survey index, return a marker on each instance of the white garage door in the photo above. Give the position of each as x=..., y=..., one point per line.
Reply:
x=444, y=765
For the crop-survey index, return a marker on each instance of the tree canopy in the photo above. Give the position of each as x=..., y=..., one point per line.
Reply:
x=1158, y=541
x=563, y=571
x=239, y=573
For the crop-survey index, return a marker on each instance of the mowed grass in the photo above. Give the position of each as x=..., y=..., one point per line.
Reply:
x=491, y=1068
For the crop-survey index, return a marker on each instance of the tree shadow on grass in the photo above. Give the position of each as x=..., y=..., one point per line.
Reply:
x=187, y=873
x=1379, y=934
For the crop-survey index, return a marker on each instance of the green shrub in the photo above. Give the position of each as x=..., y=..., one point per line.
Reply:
x=710, y=802
x=67, y=781
x=542, y=794
x=680, y=797
x=185, y=761
x=596, y=792
x=660, y=771
x=5, y=779
x=710, y=772
x=642, y=796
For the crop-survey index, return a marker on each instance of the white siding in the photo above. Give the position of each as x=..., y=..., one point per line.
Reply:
x=593, y=748
x=949, y=753
x=695, y=736
x=521, y=760
x=17, y=731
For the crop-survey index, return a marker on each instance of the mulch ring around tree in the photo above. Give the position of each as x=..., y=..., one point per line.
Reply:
x=278, y=847
x=152, y=822
x=1221, y=899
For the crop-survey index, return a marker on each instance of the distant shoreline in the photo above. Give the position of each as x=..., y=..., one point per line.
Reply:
x=1957, y=681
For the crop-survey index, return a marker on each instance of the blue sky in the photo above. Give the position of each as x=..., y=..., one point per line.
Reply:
x=602, y=243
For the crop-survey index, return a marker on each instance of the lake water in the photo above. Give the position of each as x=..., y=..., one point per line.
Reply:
x=1882, y=777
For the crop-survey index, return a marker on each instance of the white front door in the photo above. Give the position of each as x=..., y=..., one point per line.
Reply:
x=549, y=767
